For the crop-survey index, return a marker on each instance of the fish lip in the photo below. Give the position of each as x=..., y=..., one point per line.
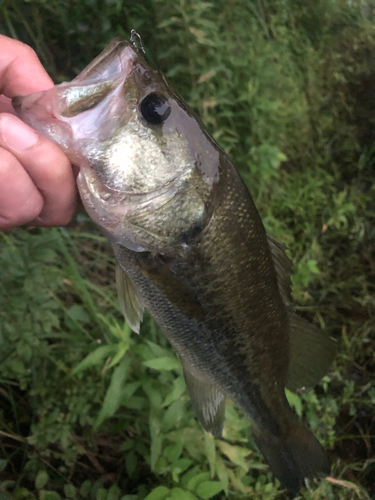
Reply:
x=44, y=110
x=17, y=102
x=20, y=102
x=119, y=51
x=116, y=62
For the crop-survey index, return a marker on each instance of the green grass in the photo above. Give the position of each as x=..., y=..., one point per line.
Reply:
x=88, y=410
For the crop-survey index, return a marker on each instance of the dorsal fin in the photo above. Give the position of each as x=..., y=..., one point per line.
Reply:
x=131, y=303
x=311, y=354
x=311, y=350
x=283, y=267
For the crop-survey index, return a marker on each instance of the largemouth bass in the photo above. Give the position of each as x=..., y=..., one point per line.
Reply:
x=191, y=248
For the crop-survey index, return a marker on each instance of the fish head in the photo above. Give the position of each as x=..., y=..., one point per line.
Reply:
x=126, y=129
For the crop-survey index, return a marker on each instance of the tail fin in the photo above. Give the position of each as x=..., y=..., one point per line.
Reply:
x=294, y=456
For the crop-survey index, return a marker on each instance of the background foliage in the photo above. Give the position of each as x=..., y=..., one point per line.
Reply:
x=88, y=411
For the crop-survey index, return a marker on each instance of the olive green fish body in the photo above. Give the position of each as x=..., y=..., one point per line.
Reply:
x=191, y=248
x=223, y=313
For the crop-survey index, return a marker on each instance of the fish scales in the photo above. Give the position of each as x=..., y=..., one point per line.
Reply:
x=191, y=248
x=230, y=311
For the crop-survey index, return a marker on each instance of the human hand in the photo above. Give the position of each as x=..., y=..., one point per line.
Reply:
x=37, y=184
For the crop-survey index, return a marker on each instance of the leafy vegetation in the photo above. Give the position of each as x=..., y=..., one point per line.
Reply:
x=90, y=411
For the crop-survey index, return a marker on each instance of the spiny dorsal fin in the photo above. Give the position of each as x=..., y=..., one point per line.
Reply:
x=131, y=303
x=311, y=354
x=283, y=266
x=207, y=401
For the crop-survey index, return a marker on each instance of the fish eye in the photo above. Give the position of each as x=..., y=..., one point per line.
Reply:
x=155, y=108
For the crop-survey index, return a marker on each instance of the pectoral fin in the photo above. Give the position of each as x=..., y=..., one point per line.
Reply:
x=131, y=304
x=311, y=354
x=207, y=401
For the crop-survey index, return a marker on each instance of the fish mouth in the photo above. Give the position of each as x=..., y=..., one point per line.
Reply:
x=115, y=60
x=23, y=102
x=113, y=64
x=67, y=112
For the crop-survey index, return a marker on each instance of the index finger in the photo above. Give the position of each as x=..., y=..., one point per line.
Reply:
x=21, y=72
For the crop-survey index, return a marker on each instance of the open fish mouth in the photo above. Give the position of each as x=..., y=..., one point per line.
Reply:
x=61, y=113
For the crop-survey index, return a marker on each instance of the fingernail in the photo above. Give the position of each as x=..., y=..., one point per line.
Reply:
x=15, y=134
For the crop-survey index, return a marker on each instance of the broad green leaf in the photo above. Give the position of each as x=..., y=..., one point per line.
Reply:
x=48, y=495
x=193, y=440
x=21, y=493
x=180, y=494
x=165, y=363
x=94, y=358
x=222, y=472
x=134, y=403
x=3, y=464
x=173, y=415
x=152, y=389
x=210, y=450
x=199, y=478
x=236, y=481
x=156, y=447
x=41, y=479
x=180, y=466
x=121, y=349
x=189, y=475
x=208, y=489
x=121, y=330
x=114, y=492
x=7, y=485
x=84, y=490
x=127, y=445
x=156, y=437
x=131, y=463
x=18, y=366
x=77, y=313
x=295, y=401
x=236, y=454
x=268, y=487
x=173, y=451
x=70, y=491
x=112, y=400
x=159, y=493
x=130, y=389
x=101, y=494
x=157, y=351
x=179, y=388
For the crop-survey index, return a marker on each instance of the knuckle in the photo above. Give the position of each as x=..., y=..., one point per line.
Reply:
x=27, y=51
x=65, y=220
x=64, y=217
x=20, y=201
x=24, y=214
x=57, y=214
x=34, y=205
x=63, y=171
x=55, y=165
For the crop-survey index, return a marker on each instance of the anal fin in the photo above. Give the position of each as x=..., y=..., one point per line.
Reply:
x=131, y=304
x=208, y=403
x=311, y=353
